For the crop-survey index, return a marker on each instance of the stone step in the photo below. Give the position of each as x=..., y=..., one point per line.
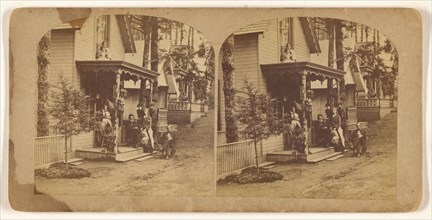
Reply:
x=133, y=157
x=318, y=159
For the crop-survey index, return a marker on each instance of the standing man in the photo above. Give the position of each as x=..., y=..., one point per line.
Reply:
x=336, y=124
x=147, y=126
x=342, y=113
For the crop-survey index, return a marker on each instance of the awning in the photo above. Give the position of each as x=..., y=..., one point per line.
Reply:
x=359, y=82
x=129, y=70
x=313, y=70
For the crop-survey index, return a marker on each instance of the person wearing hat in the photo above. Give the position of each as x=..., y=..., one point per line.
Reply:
x=359, y=140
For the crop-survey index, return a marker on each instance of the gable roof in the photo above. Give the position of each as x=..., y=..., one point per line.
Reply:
x=257, y=27
x=312, y=40
x=126, y=34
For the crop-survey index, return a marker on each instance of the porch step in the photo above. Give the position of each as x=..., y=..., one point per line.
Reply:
x=73, y=160
x=318, y=159
x=76, y=163
x=317, y=154
x=335, y=157
x=133, y=157
x=266, y=164
x=143, y=158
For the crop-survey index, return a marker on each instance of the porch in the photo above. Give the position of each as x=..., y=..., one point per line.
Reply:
x=372, y=109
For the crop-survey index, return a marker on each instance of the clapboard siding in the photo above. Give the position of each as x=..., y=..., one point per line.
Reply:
x=83, y=140
x=246, y=60
x=85, y=46
x=61, y=54
x=115, y=40
x=272, y=144
x=268, y=49
x=300, y=44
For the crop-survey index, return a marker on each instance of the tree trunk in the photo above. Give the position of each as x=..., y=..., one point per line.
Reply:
x=256, y=157
x=361, y=33
x=228, y=89
x=330, y=31
x=181, y=34
x=340, y=55
x=355, y=32
x=66, y=152
x=145, y=24
x=154, y=50
x=176, y=34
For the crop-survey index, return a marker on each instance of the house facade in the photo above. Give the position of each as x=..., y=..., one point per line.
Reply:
x=73, y=54
x=258, y=57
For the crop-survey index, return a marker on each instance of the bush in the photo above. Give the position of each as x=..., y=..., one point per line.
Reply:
x=58, y=170
x=250, y=175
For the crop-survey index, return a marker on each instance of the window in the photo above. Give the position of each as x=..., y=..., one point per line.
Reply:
x=285, y=33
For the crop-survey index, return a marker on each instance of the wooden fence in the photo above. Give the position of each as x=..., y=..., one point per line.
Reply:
x=234, y=156
x=50, y=149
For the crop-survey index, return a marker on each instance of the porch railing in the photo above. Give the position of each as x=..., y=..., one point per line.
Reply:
x=50, y=149
x=234, y=156
x=374, y=103
x=179, y=106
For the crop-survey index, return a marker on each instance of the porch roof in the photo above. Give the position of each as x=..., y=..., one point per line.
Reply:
x=117, y=67
x=319, y=72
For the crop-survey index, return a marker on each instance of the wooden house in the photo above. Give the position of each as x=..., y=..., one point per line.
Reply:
x=73, y=53
x=257, y=57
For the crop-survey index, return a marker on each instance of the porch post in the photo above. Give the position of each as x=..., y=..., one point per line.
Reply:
x=303, y=97
x=338, y=81
x=117, y=93
x=151, y=91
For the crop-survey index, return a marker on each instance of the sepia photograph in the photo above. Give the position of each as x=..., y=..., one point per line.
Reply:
x=307, y=108
x=167, y=109
x=125, y=107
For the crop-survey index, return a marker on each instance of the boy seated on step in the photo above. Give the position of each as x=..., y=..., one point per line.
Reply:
x=335, y=141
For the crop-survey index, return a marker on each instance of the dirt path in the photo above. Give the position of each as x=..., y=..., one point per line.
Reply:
x=372, y=176
x=189, y=172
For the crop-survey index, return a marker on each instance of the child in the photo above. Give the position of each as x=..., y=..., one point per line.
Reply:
x=168, y=148
x=359, y=139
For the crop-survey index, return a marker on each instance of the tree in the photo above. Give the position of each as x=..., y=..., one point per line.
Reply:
x=331, y=38
x=228, y=89
x=69, y=109
x=43, y=86
x=254, y=112
x=339, y=36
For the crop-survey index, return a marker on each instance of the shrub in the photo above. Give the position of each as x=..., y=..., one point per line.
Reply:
x=57, y=170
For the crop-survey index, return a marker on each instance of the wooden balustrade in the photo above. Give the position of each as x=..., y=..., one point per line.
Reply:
x=374, y=103
x=179, y=106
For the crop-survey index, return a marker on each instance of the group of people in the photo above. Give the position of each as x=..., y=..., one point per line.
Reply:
x=333, y=131
x=143, y=132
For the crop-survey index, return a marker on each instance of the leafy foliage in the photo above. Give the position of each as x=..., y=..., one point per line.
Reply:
x=69, y=109
x=228, y=89
x=254, y=112
x=43, y=86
